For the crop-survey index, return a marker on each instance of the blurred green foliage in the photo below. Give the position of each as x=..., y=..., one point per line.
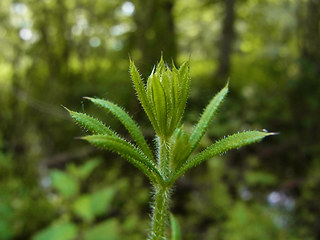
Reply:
x=87, y=207
x=54, y=52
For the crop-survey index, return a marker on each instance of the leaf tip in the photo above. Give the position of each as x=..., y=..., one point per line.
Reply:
x=273, y=133
x=66, y=108
x=227, y=85
x=270, y=133
x=88, y=98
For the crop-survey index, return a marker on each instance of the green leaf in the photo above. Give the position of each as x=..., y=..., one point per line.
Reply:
x=259, y=177
x=142, y=95
x=107, y=230
x=231, y=142
x=167, y=82
x=65, y=184
x=179, y=148
x=89, y=123
x=128, y=151
x=127, y=122
x=159, y=100
x=175, y=228
x=89, y=206
x=83, y=171
x=206, y=118
x=101, y=200
x=175, y=98
x=184, y=88
x=61, y=231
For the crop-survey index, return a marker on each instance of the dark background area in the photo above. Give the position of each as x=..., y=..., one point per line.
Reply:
x=54, y=52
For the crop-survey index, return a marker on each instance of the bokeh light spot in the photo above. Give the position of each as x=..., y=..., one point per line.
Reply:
x=127, y=8
x=25, y=34
x=94, y=42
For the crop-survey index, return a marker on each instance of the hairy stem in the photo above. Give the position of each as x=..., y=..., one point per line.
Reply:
x=160, y=213
x=163, y=158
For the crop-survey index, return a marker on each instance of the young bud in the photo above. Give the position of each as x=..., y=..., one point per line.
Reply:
x=164, y=99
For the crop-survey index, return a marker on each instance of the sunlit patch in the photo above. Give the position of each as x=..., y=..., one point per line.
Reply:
x=274, y=198
x=116, y=45
x=94, y=42
x=19, y=8
x=25, y=34
x=81, y=23
x=281, y=200
x=119, y=29
x=127, y=8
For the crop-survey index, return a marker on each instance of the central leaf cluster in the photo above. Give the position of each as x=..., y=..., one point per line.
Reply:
x=164, y=96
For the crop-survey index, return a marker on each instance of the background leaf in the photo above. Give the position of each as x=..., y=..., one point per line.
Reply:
x=60, y=230
x=64, y=183
x=95, y=204
x=83, y=171
x=107, y=230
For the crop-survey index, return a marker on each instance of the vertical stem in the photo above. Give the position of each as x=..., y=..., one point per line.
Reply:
x=163, y=158
x=160, y=213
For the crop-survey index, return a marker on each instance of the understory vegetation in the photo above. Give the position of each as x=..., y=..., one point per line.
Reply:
x=54, y=185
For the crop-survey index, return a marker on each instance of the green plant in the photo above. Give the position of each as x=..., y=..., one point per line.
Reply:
x=78, y=210
x=164, y=99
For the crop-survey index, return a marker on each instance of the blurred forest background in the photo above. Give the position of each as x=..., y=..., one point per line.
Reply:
x=54, y=52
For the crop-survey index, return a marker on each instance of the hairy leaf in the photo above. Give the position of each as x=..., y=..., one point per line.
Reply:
x=128, y=151
x=206, y=117
x=166, y=82
x=231, y=142
x=184, y=80
x=89, y=123
x=159, y=99
x=128, y=123
x=179, y=148
x=142, y=95
x=175, y=98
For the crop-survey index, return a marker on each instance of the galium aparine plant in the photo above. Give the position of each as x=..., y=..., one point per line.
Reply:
x=163, y=99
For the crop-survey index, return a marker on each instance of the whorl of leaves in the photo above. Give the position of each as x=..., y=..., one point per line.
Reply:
x=163, y=98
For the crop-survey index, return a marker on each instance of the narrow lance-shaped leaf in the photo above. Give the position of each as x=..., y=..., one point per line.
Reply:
x=159, y=100
x=149, y=90
x=206, y=117
x=231, y=142
x=184, y=89
x=89, y=123
x=142, y=95
x=128, y=123
x=128, y=151
x=167, y=82
x=161, y=66
x=175, y=97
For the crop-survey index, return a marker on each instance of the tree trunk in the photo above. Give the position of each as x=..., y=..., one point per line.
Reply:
x=226, y=41
x=155, y=32
x=305, y=107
